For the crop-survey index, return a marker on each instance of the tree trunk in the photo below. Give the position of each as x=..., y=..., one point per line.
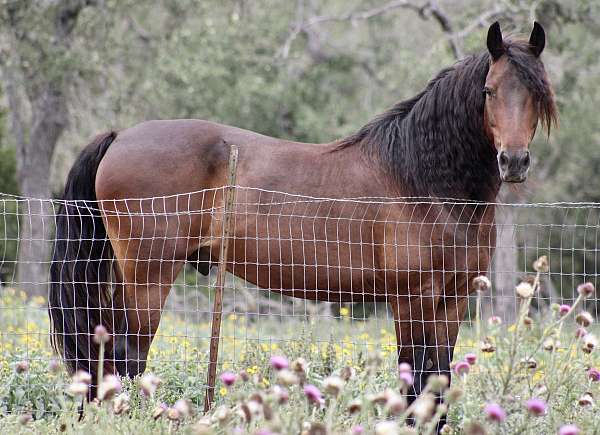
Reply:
x=505, y=265
x=36, y=136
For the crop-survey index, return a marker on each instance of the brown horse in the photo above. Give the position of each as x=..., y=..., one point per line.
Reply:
x=116, y=259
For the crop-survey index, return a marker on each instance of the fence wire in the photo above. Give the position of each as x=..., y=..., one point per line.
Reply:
x=312, y=277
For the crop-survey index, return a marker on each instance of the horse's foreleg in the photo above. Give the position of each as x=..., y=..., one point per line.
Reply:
x=410, y=338
x=448, y=315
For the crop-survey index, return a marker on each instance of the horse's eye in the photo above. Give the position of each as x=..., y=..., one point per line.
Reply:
x=488, y=91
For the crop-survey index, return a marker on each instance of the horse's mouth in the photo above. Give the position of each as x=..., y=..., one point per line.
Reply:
x=514, y=178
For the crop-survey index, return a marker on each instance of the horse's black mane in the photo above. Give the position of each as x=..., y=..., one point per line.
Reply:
x=434, y=144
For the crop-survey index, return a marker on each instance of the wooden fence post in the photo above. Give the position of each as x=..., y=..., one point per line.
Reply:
x=215, y=335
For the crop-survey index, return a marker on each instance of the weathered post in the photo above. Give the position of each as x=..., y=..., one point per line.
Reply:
x=229, y=197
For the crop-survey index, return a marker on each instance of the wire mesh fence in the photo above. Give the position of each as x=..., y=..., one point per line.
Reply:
x=332, y=280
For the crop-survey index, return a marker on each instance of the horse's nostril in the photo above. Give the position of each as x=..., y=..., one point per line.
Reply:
x=526, y=160
x=503, y=159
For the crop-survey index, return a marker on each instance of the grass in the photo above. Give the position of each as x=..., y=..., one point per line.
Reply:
x=533, y=358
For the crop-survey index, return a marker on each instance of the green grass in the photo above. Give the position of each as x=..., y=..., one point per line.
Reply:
x=180, y=352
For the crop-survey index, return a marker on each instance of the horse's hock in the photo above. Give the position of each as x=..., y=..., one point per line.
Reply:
x=306, y=276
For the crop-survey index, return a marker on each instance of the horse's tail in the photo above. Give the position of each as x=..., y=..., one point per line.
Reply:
x=81, y=265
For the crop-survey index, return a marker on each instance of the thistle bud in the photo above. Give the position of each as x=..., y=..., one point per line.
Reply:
x=396, y=404
x=550, y=345
x=110, y=386
x=586, y=399
x=83, y=377
x=159, y=411
x=584, y=318
x=221, y=414
x=481, y=283
x=495, y=321
x=347, y=373
x=453, y=394
x=173, y=414
x=590, y=342
x=424, y=407
x=333, y=385
x=184, y=407
x=438, y=383
x=386, y=428
x=524, y=290
x=541, y=264
x=586, y=289
x=281, y=394
x=148, y=384
x=101, y=335
x=286, y=377
x=299, y=365
x=77, y=389
x=121, y=404
x=54, y=366
x=25, y=419
x=355, y=406
x=487, y=347
x=528, y=363
x=22, y=367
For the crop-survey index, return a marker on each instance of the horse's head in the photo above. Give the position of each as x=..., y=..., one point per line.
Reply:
x=517, y=96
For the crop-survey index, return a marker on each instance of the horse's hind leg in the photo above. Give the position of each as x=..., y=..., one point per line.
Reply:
x=144, y=293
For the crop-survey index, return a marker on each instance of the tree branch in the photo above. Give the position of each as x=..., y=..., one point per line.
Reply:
x=302, y=26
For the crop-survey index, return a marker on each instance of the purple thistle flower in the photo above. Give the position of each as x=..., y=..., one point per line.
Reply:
x=461, y=368
x=358, y=430
x=494, y=412
x=586, y=289
x=568, y=429
x=228, y=378
x=313, y=394
x=536, y=406
x=471, y=358
x=406, y=378
x=564, y=309
x=594, y=374
x=404, y=367
x=279, y=362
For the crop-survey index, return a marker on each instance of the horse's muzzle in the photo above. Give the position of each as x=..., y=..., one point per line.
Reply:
x=514, y=165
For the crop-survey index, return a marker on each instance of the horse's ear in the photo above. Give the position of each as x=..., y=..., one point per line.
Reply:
x=537, y=40
x=494, y=41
